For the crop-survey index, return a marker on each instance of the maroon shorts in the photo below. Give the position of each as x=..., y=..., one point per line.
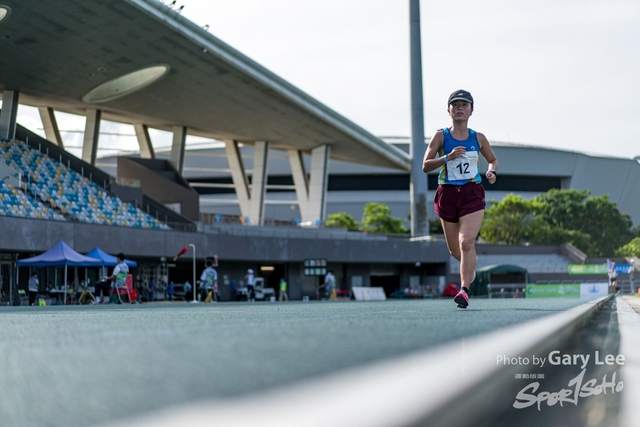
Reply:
x=453, y=202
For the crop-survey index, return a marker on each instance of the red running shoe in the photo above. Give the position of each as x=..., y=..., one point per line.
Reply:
x=462, y=299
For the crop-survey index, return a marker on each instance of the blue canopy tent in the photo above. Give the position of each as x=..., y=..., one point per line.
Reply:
x=60, y=254
x=108, y=260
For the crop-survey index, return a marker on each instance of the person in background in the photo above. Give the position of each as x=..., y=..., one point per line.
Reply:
x=283, y=290
x=187, y=290
x=78, y=290
x=209, y=282
x=451, y=290
x=233, y=286
x=330, y=280
x=249, y=279
x=613, y=276
x=170, y=291
x=119, y=275
x=102, y=290
x=151, y=287
x=34, y=287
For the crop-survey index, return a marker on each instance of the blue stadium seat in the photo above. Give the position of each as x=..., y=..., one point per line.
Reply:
x=66, y=191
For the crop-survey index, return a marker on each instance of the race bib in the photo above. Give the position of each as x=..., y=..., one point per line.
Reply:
x=463, y=168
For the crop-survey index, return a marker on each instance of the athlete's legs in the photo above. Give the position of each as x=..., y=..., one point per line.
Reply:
x=469, y=228
x=451, y=235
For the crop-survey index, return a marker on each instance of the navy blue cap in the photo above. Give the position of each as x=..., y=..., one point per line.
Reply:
x=460, y=95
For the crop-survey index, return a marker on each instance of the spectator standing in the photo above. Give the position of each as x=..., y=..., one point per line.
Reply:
x=187, y=290
x=34, y=287
x=152, y=290
x=330, y=280
x=613, y=276
x=170, y=291
x=283, y=290
x=249, y=279
x=232, y=288
x=209, y=282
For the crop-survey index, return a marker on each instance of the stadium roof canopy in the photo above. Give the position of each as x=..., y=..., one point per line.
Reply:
x=55, y=53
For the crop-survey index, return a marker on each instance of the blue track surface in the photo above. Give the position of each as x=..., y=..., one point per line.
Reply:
x=79, y=366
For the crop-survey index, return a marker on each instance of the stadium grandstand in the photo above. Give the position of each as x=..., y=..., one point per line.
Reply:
x=277, y=157
x=525, y=170
x=49, y=190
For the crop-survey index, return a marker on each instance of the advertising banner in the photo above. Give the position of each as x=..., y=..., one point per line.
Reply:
x=554, y=291
x=588, y=269
x=572, y=290
x=622, y=268
x=598, y=268
x=594, y=290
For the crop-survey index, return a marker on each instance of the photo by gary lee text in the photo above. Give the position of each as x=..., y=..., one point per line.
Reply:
x=559, y=359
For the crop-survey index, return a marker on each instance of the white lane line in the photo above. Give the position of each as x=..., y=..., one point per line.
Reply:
x=423, y=383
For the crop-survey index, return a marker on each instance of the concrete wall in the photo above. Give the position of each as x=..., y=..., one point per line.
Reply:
x=353, y=261
x=35, y=236
x=236, y=254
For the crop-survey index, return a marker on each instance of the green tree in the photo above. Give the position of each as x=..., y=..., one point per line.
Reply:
x=547, y=235
x=631, y=249
x=592, y=224
x=377, y=219
x=342, y=220
x=608, y=227
x=563, y=209
x=512, y=220
x=596, y=217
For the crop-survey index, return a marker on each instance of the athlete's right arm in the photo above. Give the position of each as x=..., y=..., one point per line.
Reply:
x=430, y=163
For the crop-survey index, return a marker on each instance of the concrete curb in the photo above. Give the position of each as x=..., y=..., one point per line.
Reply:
x=629, y=326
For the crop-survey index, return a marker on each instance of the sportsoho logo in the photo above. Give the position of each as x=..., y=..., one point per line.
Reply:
x=577, y=387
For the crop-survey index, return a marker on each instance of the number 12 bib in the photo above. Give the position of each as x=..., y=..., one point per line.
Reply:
x=465, y=167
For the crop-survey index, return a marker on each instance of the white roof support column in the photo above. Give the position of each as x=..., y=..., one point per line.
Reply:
x=300, y=180
x=144, y=140
x=91, y=136
x=177, y=148
x=50, y=124
x=239, y=176
x=316, y=209
x=259, y=181
x=10, y=99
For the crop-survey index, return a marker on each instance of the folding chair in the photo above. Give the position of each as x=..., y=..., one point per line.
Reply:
x=120, y=291
x=24, y=299
x=83, y=296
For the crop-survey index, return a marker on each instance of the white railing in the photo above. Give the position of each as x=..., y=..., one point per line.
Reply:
x=507, y=290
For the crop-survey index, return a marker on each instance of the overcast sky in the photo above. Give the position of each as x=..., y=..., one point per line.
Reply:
x=554, y=73
x=557, y=73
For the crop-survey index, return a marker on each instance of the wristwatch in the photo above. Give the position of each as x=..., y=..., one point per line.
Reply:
x=493, y=172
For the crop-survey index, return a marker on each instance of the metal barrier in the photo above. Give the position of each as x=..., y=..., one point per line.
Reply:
x=507, y=290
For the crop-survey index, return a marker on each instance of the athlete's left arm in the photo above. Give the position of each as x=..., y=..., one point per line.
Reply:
x=487, y=153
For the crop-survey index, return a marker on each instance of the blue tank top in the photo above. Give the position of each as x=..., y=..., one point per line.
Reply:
x=462, y=170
